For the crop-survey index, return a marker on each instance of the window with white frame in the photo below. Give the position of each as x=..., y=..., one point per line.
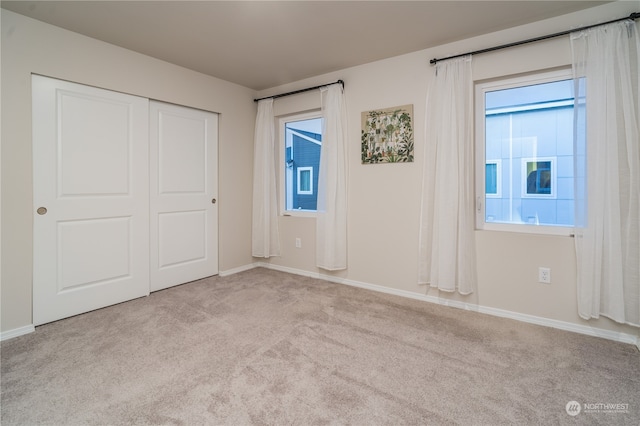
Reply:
x=538, y=177
x=305, y=180
x=525, y=153
x=493, y=178
x=301, y=143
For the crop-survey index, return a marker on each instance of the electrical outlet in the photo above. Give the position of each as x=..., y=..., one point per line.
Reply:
x=298, y=243
x=544, y=275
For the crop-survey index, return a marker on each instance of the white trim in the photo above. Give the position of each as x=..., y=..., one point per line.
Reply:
x=531, y=319
x=530, y=79
x=531, y=107
x=20, y=331
x=286, y=174
x=529, y=228
x=237, y=270
x=287, y=269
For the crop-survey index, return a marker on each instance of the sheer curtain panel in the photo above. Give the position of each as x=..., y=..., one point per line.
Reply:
x=447, y=241
x=265, y=237
x=331, y=220
x=605, y=64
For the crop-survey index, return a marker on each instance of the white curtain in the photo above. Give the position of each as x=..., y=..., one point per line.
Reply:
x=264, y=235
x=331, y=221
x=447, y=240
x=605, y=64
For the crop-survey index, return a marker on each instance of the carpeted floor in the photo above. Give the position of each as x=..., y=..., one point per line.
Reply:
x=265, y=347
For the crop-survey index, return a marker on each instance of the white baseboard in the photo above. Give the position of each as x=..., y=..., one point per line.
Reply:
x=10, y=334
x=531, y=319
x=237, y=270
x=289, y=270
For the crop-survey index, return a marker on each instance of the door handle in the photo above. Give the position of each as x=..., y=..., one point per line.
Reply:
x=213, y=201
x=42, y=211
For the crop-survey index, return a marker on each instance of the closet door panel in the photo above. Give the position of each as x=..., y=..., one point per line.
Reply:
x=184, y=214
x=91, y=198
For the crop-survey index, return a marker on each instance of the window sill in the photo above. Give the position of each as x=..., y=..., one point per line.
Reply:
x=299, y=213
x=562, y=231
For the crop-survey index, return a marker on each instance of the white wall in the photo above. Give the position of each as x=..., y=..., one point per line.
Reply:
x=384, y=200
x=30, y=46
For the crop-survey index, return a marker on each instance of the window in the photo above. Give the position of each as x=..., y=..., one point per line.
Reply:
x=493, y=178
x=305, y=180
x=525, y=153
x=301, y=144
x=538, y=177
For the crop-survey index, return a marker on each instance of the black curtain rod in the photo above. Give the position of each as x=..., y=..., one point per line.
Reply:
x=295, y=92
x=633, y=16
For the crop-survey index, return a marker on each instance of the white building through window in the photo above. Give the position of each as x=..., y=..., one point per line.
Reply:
x=525, y=153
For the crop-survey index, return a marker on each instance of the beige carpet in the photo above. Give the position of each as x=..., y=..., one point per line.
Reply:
x=265, y=347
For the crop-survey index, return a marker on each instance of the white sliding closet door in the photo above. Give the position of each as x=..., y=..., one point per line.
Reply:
x=91, y=198
x=184, y=185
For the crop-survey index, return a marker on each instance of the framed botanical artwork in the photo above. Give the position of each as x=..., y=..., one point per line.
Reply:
x=387, y=135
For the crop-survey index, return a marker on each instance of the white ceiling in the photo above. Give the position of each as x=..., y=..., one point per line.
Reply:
x=263, y=44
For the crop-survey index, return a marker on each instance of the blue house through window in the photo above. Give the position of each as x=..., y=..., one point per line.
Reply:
x=303, y=142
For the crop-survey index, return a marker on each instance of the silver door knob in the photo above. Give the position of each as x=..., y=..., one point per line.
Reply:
x=42, y=210
x=213, y=201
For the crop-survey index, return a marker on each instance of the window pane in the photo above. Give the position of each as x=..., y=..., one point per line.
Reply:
x=305, y=180
x=538, y=177
x=491, y=179
x=529, y=140
x=303, y=141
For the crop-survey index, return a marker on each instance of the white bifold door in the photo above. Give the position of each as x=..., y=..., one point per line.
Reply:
x=123, y=191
